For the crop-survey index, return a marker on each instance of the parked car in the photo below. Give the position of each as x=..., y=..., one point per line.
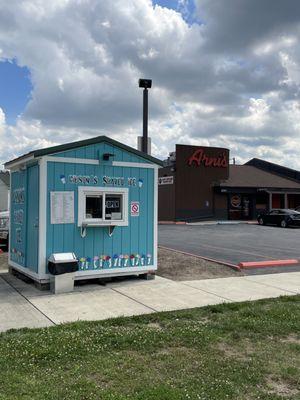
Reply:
x=4, y=230
x=280, y=217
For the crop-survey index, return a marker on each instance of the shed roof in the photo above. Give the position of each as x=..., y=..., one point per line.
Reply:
x=252, y=177
x=81, y=143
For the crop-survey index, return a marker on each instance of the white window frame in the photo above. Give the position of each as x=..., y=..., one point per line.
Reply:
x=84, y=191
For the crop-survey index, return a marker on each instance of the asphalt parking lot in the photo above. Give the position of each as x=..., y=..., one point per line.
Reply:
x=235, y=243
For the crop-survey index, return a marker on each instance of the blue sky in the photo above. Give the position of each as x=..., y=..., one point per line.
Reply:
x=15, y=89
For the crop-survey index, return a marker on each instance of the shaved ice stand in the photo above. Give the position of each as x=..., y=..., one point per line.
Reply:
x=95, y=198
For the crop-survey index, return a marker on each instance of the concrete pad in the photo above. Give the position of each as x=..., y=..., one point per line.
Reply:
x=26, y=289
x=287, y=281
x=16, y=312
x=237, y=288
x=136, y=281
x=168, y=295
x=95, y=305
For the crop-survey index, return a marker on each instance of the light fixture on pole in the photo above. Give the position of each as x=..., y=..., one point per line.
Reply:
x=146, y=84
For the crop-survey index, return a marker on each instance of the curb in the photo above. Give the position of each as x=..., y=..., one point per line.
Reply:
x=172, y=223
x=232, y=266
x=222, y=223
x=208, y=223
x=271, y=263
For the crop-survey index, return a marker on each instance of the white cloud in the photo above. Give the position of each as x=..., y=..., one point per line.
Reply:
x=227, y=82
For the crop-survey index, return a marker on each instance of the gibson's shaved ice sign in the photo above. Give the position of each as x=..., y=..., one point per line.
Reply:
x=199, y=158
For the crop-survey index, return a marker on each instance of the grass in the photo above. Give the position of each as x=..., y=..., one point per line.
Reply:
x=244, y=351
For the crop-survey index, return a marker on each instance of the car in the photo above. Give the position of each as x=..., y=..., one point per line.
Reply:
x=281, y=217
x=4, y=230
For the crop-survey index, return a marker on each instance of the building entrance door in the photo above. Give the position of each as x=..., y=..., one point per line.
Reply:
x=277, y=200
x=240, y=207
x=246, y=207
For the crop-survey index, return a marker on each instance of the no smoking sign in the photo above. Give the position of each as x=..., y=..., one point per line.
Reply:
x=135, y=208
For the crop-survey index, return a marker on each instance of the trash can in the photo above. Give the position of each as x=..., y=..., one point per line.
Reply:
x=62, y=268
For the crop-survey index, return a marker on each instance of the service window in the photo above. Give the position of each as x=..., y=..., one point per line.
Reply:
x=102, y=206
x=93, y=206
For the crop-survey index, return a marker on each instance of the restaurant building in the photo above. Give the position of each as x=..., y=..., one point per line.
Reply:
x=198, y=182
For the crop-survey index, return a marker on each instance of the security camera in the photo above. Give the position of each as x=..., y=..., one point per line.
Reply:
x=145, y=83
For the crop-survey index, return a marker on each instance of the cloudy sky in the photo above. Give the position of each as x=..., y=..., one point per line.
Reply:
x=225, y=73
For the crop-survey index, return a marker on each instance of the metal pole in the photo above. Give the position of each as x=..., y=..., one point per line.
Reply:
x=145, y=121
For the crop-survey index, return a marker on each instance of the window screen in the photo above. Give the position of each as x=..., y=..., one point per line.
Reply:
x=113, y=206
x=93, y=206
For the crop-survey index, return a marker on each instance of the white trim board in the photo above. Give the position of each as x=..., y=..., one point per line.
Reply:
x=155, y=216
x=72, y=160
x=24, y=161
x=28, y=272
x=90, y=161
x=133, y=164
x=90, y=274
x=42, y=215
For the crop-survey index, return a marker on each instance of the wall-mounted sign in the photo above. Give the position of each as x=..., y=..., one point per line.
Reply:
x=62, y=207
x=166, y=180
x=112, y=204
x=118, y=181
x=262, y=189
x=19, y=217
x=103, y=261
x=18, y=196
x=135, y=208
x=199, y=158
x=235, y=201
x=106, y=180
x=82, y=179
x=19, y=235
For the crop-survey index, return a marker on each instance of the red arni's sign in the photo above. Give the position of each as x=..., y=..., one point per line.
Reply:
x=200, y=158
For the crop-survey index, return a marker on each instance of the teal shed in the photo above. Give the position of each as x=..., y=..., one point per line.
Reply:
x=96, y=198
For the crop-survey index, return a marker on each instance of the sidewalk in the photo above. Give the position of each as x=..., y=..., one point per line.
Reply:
x=22, y=305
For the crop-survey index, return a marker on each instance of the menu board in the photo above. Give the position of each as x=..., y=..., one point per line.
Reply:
x=62, y=207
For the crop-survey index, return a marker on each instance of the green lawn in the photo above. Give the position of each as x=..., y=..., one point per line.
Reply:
x=244, y=351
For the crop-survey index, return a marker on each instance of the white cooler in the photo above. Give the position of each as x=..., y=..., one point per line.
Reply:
x=62, y=268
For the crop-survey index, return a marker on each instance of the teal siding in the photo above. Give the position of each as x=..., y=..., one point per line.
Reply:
x=18, y=210
x=32, y=218
x=96, y=150
x=136, y=238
